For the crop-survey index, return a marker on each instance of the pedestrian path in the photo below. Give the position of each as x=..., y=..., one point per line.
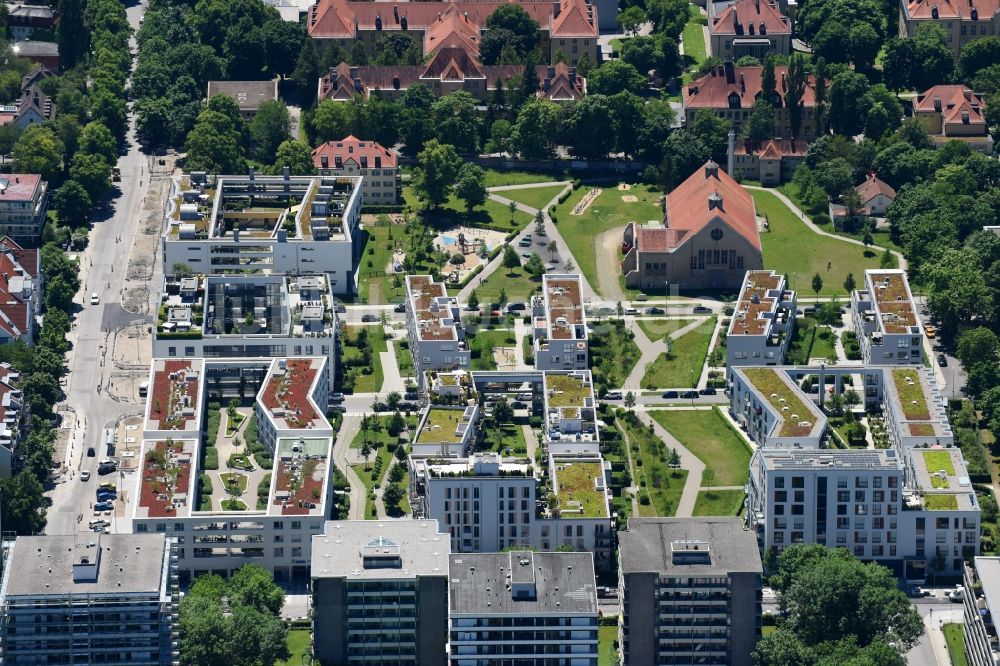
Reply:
x=689, y=461
x=650, y=352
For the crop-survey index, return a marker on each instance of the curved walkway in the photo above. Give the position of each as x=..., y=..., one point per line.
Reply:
x=689, y=461
x=815, y=228
x=651, y=351
x=350, y=427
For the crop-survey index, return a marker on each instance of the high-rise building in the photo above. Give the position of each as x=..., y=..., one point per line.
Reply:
x=690, y=591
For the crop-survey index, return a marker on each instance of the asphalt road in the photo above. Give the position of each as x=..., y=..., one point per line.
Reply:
x=103, y=272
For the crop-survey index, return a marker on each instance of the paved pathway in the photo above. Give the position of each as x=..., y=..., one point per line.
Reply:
x=822, y=232
x=530, y=440
x=607, y=249
x=348, y=429
x=650, y=352
x=392, y=380
x=689, y=461
x=716, y=332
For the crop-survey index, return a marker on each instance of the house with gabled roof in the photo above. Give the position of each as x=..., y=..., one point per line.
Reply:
x=353, y=157
x=961, y=20
x=954, y=113
x=748, y=28
x=20, y=291
x=708, y=238
x=770, y=162
x=874, y=196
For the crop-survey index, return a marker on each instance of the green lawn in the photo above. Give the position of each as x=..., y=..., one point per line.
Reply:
x=536, y=197
x=482, y=344
x=937, y=460
x=657, y=329
x=811, y=341
x=718, y=503
x=496, y=178
x=682, y=367
x=613, y=353
x=299, y=643
x=656, y=481
x=608, y=211
x=954, y=634
x=367, y=379
x=606, y=637
x=452, y=213
x=516, y=284
x=709, y=436
x=508, y=436
x=882, y=237
x=374, y=285
x=694, y=38
x=783, y=250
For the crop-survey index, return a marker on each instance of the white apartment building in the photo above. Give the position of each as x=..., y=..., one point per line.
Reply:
x=533, y=609
x=11, y=413
x=273, y=224
x=885, y=320
x=23, y=204
x=882, y=505
x=378, y=165
x=380, y=593
x=982, y=599
x=446, y=431
x=434, y=327
x=89, y=598
x=570, y=411
x=915, y=411
x=560, y=324
x=214, y=534
x=762, y=324
x=773, y=410
x=246, y=316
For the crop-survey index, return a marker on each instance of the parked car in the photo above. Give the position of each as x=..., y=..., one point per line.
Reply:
x=104, y=506
x=410, y=395
x=915, y=591
x=708, y=391
x=526, y=255
x=613, y=395
x=91, y=452
x=400, y=308
x=408, y=407
x=631, y=311
x=369, y=318
x=525, y=242
x=701, y=309
x=942, y=360
x=930, y=330
x=670, y=395
x=85, y=475
x=655, y=311
x=689, y=395
x=336, y=397
x=957, y=595
x=516, y=307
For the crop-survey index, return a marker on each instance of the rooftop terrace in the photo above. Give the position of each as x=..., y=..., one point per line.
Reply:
x=300, y=476
x=431, y=307
x=444, y=425
x=759, y=297
x=167, y=472
x=891, y=294
x=564, y=305
x=173, y=397
x=579, y=489
x=567, y=390
x=286, y=393
x=796, y=417
x=912, y=397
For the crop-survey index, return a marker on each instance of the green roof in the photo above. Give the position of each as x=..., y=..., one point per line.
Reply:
x=774, y=388
x=938, y=460
x=911, y=395
x=578, y=496
x=941, y=502
x=440, y=426
x=566, y=390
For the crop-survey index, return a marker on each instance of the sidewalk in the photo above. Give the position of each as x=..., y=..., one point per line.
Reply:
x=689, y=461
x=341, y=446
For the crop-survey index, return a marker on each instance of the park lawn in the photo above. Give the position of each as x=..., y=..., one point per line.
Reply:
x=608, y=211
x=683, y=367
x=658, y=328
x=382, y=437
x=374, y=285
x=652, y=475
x=694, y=38
x=783, y=250
x=613, y=354
x=496, y=178
x=404, y=358
x=536, y=197
x=508, y=436
x=718, y=503
x=484, y=342
x=299, y=644
x=954, y=635
x=452, y=214
x=882, y=237
x=366, y=474
x=516, y=284
x=606, y=637
x=709, y=436
x=365, y=382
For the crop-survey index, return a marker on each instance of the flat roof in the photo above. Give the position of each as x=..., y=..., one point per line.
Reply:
x=796, y=415
x=890, y=293
x=646, y=546
x=43, y=565
x=941, y=472
x=761, y=293
x=431, y=307
x=174, y=395
x=287, y=393
x=570, y=389
x=248, y=95
x=440, y=426
x=340, y=552
x=579, y=487
x=913, y=391
x=301, y=472
x=19, y=186
x=485, y=583
x=167, y=478
x=801, y=460
x=563, y=306
x=988, y=573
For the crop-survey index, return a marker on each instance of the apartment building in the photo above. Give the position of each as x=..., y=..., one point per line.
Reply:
x=773, y=411
x=570, y=413
x=523, y=607
x=20, y=291
x=885, y=319
x=212, y=513
x=446, y=431
x=914, y=511
x=771, y=162
x=962, y=22
x=380, y=593
x=748, y=28
x=23, y=204
x=915, y=411
x=981, y=582
x=246, y=316
x=12, y=411
x=434, y=327
x=559, y=340
x=763, y=323
x=296, y=225
x=352, y=157
x=955, y=113
x=89, y=598
x=690, y=592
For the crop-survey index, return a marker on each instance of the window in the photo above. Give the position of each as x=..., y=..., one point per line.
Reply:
x=716, y=235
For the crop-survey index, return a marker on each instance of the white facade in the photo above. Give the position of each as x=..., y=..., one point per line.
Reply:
x=885, y=320
x=773, y=411
x=762, y=324
x=210, y=231
x=570, y=413
x=446, y=431
x=560, y=324
x=434, y=327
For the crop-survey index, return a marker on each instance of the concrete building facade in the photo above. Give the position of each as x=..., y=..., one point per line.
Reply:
x=885, y=319
x=763, y=323
x=748, y=28
x=434, y=327
x=23, y=205
x=981, y=582
x=559, y=339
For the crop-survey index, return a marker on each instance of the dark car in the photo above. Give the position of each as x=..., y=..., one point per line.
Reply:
x=655, y=311
x=369, y=318
x=689, y=394
x=400, y=308
x=91, y=452
x=410, y=395
x=708, y=391
x=670, y=395
x=104, y=506
x=942, y=360
x=700, y=309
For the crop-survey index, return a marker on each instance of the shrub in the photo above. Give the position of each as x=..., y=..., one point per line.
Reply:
x=205, y=483
x=211, y=458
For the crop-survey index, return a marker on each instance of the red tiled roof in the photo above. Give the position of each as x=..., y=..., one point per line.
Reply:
x=658, y=239
x=453, y=63
x=576, y=19
x=952, y=9
x=19, y=186
x=713, y=90
x=773, y=149
x=707, y=194
x=872, y=187
x=353, y=149
x=28, y=259
x=14, y=310
x=561, y=82
x=454, y=30
x=951, y=101
x=749, y=17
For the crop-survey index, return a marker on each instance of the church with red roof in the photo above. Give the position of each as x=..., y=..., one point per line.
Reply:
x=708, y=238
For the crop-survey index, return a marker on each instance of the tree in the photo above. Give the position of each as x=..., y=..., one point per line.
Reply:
x=847, y=95
x=473, y=302
x=438, y=167
x=713, y=132
x=96, y=139
x=331, y=121
x=510, y=259
x=534, y=133
x=586, y=126
x=502, y=412
x=629, y=400
x=469, y=186
x=668, y=17
x=523, y=28
x=253, y=585
x=534, y=266
x=40, y=151
x=539, y=223
x=392, y=496
x=92, y=172
x=978, y=54
x=849, y=283
x=457, y=121
x=794, y=92
x=74, y=42
x=58, y=294
x=529, y=84
x=933, y=61
x=366, y=448
x=897, y=63
x=867, y=238
x=977, y=345
x=552, y=248
x=641, y=52
x=296, y=156
x=864, y=43
x=615, y=76
x=630, y=19
x=497, y=48
x=817, y=283
x=214, y=144
x=21, y=498
x=762, y=123
x=72, y=204
x=269, y=128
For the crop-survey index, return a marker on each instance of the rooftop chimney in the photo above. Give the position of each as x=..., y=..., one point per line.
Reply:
x=711, y=170
x=714, y=201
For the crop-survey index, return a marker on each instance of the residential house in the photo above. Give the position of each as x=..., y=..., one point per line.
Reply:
x=748, y=28
x=249, y=95
x=20, y=291
x=378, y=165
x=954, y=113
x=770, y=163
x=762, y=325
x=43, y=53
x=708, y=238
x=961, y=20
x=12, y=417
x=24, y=19
x=23, y=204
x=874, y=197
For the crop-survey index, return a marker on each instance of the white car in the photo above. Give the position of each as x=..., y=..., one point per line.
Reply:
x=85, y=475
x=95, y=299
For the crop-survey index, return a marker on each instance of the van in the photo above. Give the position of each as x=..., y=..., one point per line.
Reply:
x=613, y=395
x=143, y=389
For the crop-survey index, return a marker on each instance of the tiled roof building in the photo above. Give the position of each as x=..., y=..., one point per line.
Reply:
x=353, y=157
x=770, y=162
x=749, y=28
x=953, y=112
x=961, y=20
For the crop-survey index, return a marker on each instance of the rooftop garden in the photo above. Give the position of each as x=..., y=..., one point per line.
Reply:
x=939, y=460
x=165, y=475
x=440, y=426
x=578, y=496
x=941, y=502
x=290, y=391
x=303, y=481
x=172, y=393
x=780, y=395
x=566, y=390
x=911, y=394
x=921, y=429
